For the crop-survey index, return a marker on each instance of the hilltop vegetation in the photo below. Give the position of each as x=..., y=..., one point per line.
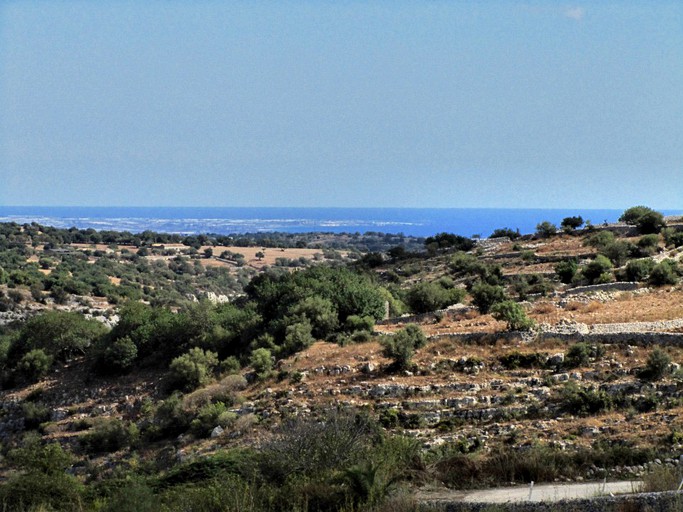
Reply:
x=159, y=372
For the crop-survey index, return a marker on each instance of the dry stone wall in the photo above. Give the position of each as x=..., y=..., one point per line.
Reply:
x=653, y=502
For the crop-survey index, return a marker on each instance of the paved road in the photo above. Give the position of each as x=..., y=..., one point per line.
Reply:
x=543, y=492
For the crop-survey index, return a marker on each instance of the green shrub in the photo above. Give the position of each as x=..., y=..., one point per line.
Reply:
x=298, y=336
x=261, y=361
x=595, y=270
x=632, y=214
x=448, y=241
x=600, y=239
x=516, y=359
x=505, y=232
x=34, y=365
x=658, y=365
x=131, y=495
x=120, y=356
x=651, y=222
x=546, y=229
x=664, y=273
x=584, y=401
x=210, y=416
x=308, y=447
x=648, y=244
x=672, y=237
x=42, y=482
x=230, y=365
x=108, y=435
x=570, y=224
x=566, y=270
x=618, y=252
x=580, y=354
x=639, y=270
x=430, y=296
x=320, y=313
x=662, y=479
x=645, y=219
x=170, y=418
x=35, y=413
x=485, y=295
x=193, y=369
x=60, y=334
x=512, y=313
x=462, y=264
x=402, y=345
x=355, y=323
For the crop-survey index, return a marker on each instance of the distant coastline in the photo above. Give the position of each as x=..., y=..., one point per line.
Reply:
x=237, y=220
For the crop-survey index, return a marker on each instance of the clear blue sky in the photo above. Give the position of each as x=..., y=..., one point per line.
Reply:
x=347, y=103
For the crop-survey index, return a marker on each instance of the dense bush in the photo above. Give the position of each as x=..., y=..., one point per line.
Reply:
x=402, y=345
x=261, y=361
x=657, y=366
x=34, y=365
x=648, y=244
x=210, y=416
x=639, y=270
x=600, y=239
x=566, y=270
x=108, y=435
x=307, y=447
x=672, y=237
x=546, y=229
x=516, y=359
x=170, y=419
x=505, y=232
x=41, y=482
x=430, y=296
x=59, y=334
x=485, y=295
x=665, y=272
x=595, y=271
x=320, y=313
x=618, y=252
x=448, y=241
x=645, y=219
x=570, y=224
x=359, y=323
x=581, y=354
x=35, y=414
x=193, y=369
x=512, y=313
x=584, y=401
x=119, y=357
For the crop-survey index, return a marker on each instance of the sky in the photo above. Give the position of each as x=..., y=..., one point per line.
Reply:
x=342, y=103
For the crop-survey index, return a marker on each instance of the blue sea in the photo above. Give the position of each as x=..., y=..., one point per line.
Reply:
x=409, y=221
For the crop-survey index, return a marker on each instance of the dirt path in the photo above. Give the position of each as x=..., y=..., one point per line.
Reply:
x=544, y=492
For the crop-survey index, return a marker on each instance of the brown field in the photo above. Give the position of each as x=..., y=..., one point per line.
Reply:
x=102, y=247
x=270, y=255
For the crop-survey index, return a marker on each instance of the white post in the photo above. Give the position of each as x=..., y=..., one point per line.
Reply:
x=531, y=488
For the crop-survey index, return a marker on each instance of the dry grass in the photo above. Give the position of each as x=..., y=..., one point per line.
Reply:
x=226, y=390
x=628, y=307
x=270, y=255
x=544, y=308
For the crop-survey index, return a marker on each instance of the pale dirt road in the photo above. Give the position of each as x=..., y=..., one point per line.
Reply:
x=542, y=492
